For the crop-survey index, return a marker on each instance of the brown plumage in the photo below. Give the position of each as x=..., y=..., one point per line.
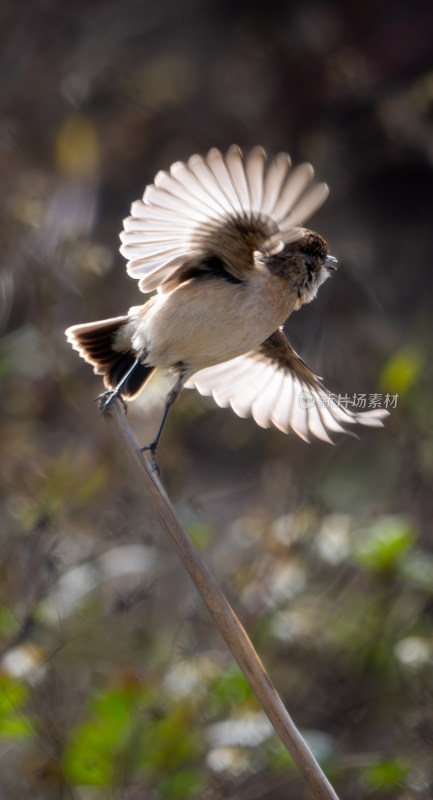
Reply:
x=221, y=240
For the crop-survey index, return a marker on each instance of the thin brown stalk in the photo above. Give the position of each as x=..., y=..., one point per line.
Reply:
x=231, y=629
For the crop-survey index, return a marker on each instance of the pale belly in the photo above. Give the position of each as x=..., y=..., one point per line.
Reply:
x=201, y=324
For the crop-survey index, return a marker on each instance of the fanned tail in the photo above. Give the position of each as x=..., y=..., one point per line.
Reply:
x=96, y=342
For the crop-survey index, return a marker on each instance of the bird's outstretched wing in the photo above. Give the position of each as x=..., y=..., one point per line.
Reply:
x=273, y=384
x=218, y=210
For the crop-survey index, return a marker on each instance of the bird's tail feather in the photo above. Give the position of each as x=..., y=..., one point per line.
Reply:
x=96, y=343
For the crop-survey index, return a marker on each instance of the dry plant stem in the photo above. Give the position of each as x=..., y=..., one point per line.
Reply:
x=224, y=616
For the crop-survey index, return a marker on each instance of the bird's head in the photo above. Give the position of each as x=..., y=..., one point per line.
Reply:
x=305, y=263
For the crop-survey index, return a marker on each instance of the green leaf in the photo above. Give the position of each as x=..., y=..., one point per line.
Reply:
x=96, y=744
x=114, y=706
x=229, y=690
x=384, y=546
x=13, y=693
x=13, y=722
x=386, y=774
x=89, y=755
x=402, y=370
x=201, y=534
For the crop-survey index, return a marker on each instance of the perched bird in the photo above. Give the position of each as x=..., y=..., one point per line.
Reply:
x=221, y=240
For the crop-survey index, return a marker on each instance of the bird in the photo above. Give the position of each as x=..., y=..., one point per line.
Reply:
x=218, y=243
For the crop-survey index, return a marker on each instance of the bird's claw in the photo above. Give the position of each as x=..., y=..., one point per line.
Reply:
x=154, y=463
x=105, y=399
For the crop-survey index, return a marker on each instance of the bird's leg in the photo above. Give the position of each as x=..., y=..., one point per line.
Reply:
x=106, y=398
x=171, y=397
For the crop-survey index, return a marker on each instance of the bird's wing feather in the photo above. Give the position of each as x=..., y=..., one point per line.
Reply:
x=216, y=206
x=273, y=384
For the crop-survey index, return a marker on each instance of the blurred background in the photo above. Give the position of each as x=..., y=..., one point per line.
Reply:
x=113, y=681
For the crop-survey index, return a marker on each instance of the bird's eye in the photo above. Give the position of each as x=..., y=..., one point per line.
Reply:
x=322, y=255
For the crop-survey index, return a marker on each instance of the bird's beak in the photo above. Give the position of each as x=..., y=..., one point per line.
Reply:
x=330, y=262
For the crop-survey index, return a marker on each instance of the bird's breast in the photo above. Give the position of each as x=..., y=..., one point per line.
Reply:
x=202, y=323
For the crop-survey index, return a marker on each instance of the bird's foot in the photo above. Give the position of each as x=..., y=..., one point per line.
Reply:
x=105, y=399
x=152, y=447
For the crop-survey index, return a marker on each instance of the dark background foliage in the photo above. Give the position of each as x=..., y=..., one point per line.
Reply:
x=113, y=681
